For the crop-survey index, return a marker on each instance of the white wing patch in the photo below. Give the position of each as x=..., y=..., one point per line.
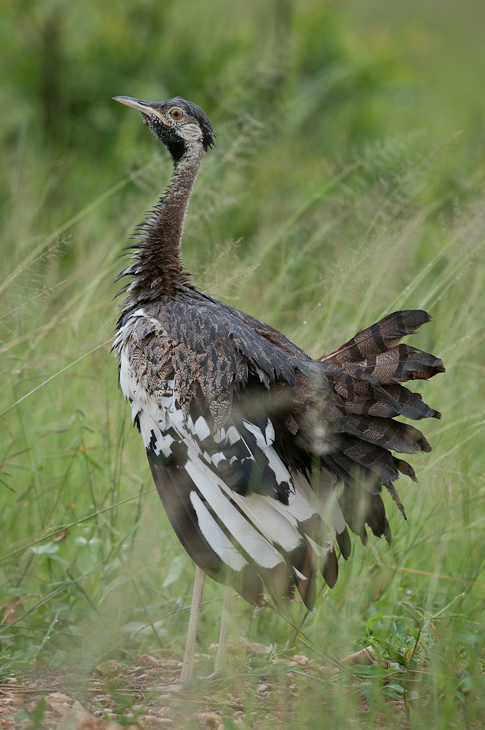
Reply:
x=252, y=542
x=262, y=527
x=265, y=443
x=215, y=537
x=202, y=428
x=278, y=523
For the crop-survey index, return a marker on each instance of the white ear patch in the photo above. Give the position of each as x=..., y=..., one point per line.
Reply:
x=190, y=132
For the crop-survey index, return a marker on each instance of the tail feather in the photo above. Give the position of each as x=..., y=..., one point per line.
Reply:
x=406, y=469
x=365, y=375
x=350, y=452
x=360, y=392
x=401, y=364
x=376, y=518
x=383, y=432
x=379, y=338
x=330, y=568
x=362, y=508
x=377, y=350
x=393, y=492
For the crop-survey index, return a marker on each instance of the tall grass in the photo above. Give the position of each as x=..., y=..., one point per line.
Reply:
x=90, y=568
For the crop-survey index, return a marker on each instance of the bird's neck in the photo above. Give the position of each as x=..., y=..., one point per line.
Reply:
x=157, y=267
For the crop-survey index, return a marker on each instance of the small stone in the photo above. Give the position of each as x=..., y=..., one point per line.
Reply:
x=263, y=688
x=31, y=707
x=147, y=660
x=109, y=668
x=57, y=697
x=79, y=719
x=235, y=703
x=18, y=701
x=209, y=719
x=151, y=721
x=301, y=659
x=365, y=656
x=251, y=647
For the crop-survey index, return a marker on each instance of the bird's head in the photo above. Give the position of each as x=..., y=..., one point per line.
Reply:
x=176, y=122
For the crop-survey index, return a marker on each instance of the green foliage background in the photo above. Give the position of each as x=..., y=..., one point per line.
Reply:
x=347, y=182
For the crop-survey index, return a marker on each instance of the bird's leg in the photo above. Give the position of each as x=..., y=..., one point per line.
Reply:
x=221, y=649
x=187, y=673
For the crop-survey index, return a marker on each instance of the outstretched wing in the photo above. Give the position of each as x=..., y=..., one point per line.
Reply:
x=240, y=514
x=260, y=455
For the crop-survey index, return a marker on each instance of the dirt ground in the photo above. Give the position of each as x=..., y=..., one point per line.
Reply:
x=146, y=695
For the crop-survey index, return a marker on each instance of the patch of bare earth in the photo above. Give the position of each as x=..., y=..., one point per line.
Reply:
x=145, y=694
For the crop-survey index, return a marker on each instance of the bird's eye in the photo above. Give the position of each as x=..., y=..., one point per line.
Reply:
x=176, y=113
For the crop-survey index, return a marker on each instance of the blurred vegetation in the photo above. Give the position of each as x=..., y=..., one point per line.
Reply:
x=347, y=182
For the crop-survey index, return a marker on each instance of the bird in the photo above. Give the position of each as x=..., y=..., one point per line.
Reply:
x=265, y=459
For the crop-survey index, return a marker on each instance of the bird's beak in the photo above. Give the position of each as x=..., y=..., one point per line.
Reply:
x=145, y=107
